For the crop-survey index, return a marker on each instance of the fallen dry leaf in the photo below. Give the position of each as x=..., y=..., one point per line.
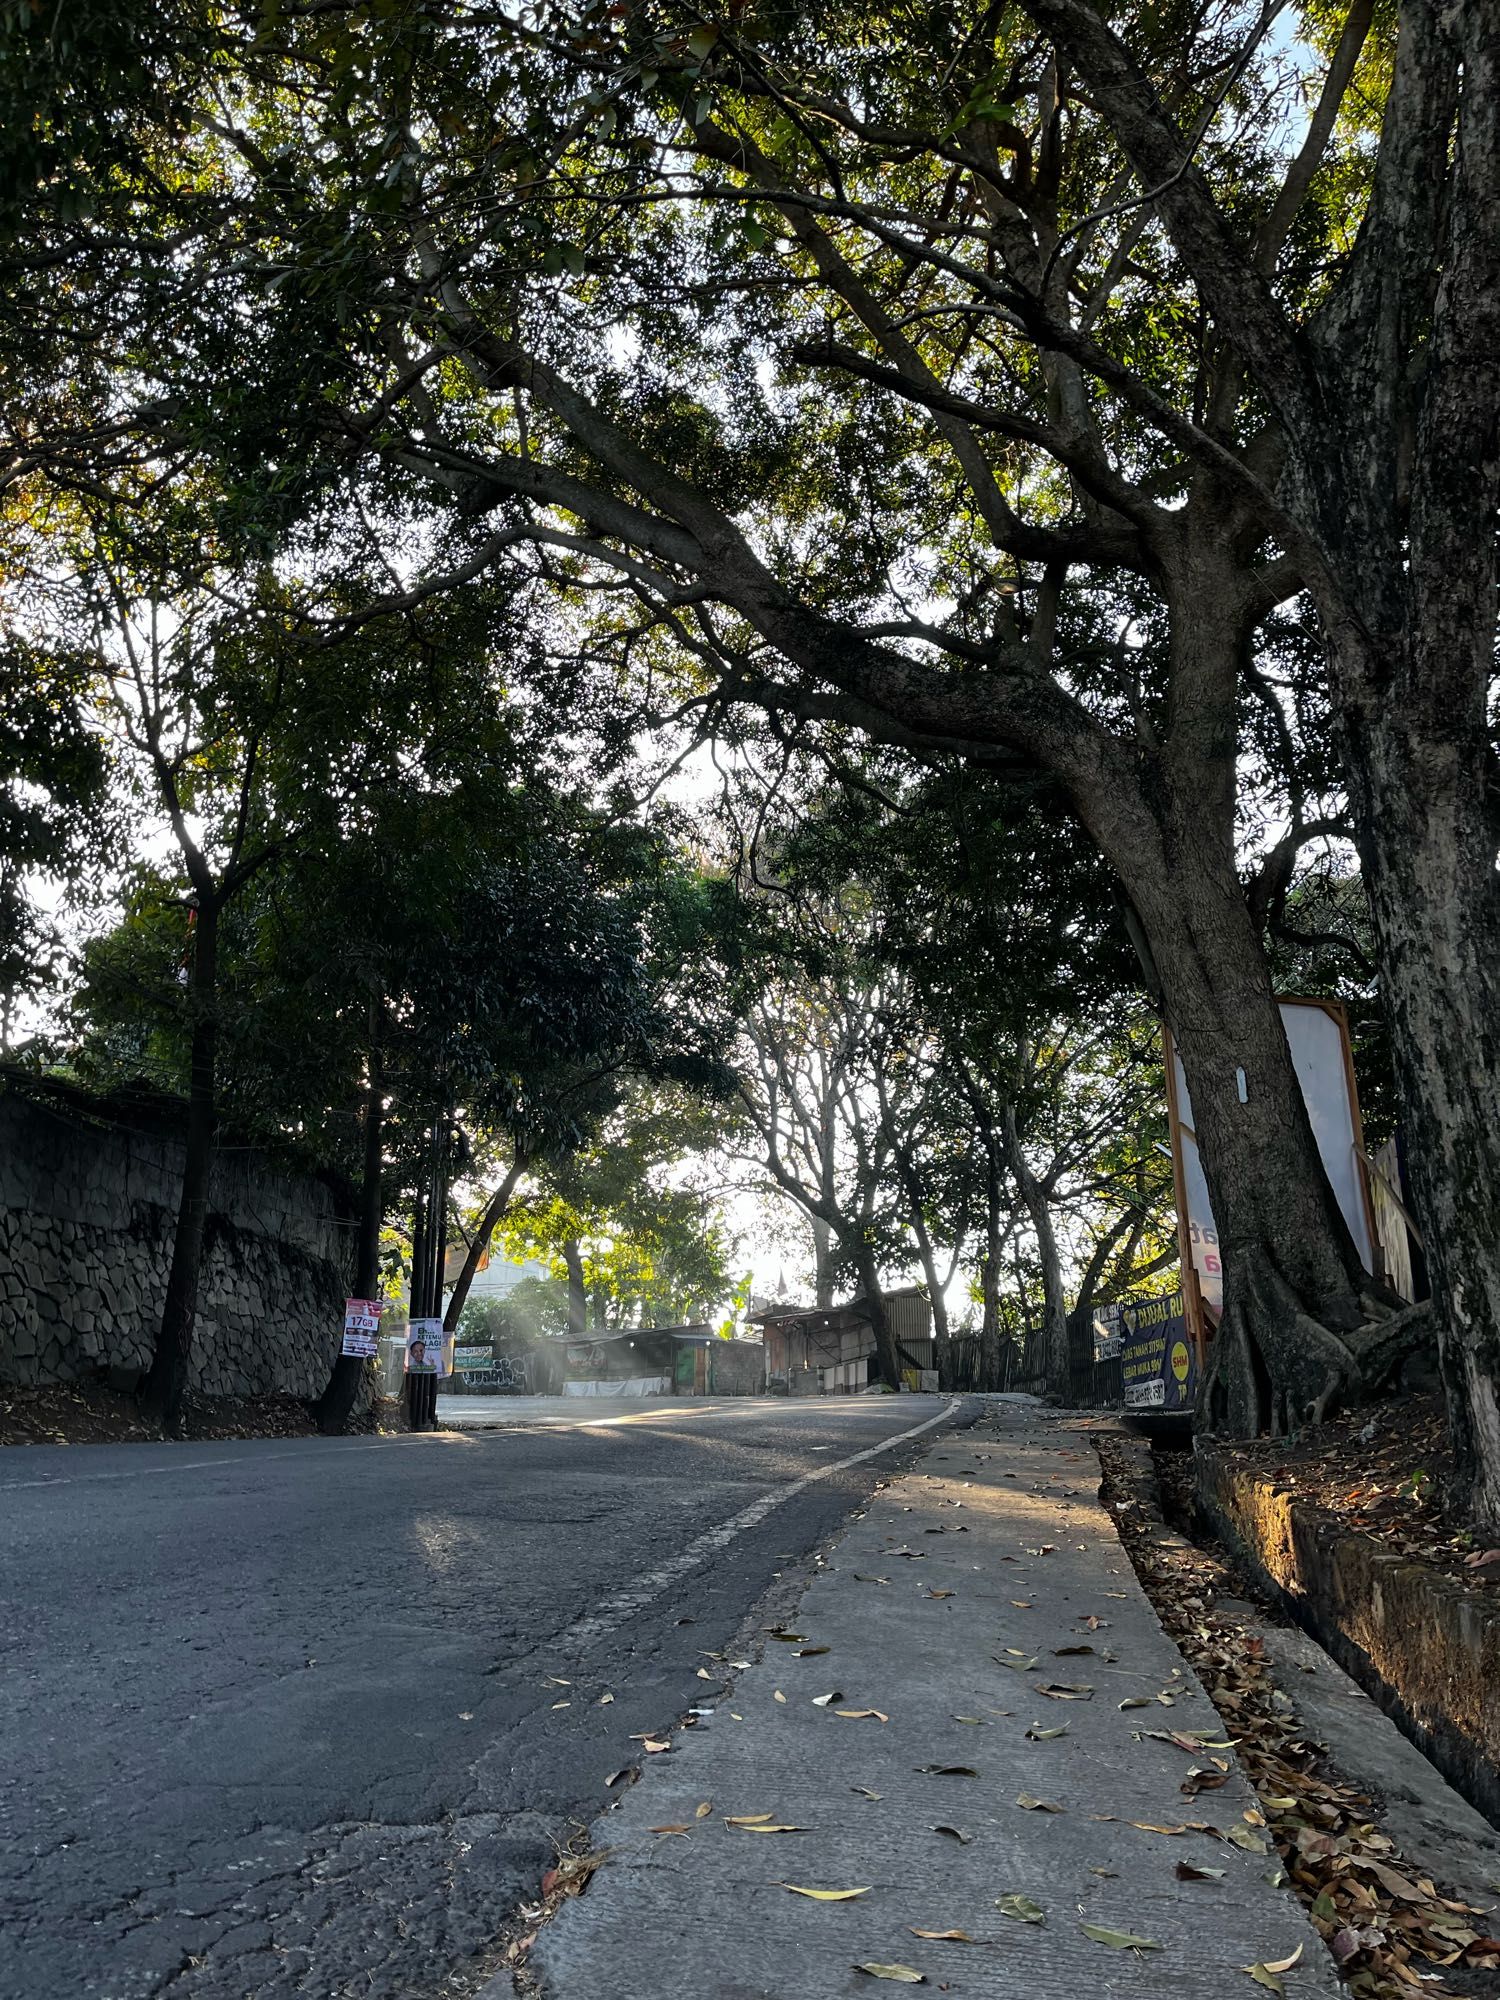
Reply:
x=807, y=1652
x=1189, y=1871
x=757, y=1827
x=1040, y=1735
x=779, y=1696
x=904, y=1975
x=1021, y=1908
x=1065, y=1690
x=668, y=1829
x=947, y=1770
x=746, y=1819
x=825, y=1895
x=1268, y=1973
x=1120, y=1940
x=863, y=1714
x=865, y=1792
x=1030, y=1804
x=824, y=1700
x=704, y=1810
x=942, y=1937
x=573, y=1873
x=955, y=1833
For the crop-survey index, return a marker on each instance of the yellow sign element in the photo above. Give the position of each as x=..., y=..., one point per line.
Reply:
x=1180, y=1362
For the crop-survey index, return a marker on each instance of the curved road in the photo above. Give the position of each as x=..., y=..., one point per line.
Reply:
x=308, y=1717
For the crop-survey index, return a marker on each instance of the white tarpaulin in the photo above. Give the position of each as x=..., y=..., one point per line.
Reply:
x=1315, y=1038
x=633, y=1385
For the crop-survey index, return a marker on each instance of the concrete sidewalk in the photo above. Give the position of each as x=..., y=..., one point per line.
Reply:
x=969, y=1589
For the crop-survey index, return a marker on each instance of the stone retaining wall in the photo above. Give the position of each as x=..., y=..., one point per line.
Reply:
x=1424, y=1647
x=87, y=1210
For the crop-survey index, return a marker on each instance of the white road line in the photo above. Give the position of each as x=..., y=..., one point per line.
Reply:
x=611, y=1615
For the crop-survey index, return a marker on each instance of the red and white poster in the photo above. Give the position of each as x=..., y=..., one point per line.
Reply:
x=361, y=1326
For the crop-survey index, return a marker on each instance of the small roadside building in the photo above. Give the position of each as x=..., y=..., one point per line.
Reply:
x=830, y=1351
x=663, y=1361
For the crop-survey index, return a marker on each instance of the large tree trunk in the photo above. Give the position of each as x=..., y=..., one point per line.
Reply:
x=1292, y=1280
x=489, y=1222
x=823, y=1287
x=166, y=1382
x=990, y=1263
x=1292, y=1283
x=886, y=1351
x=578, y=1298
x=1428, y=850
x=942, y=1342
x=1408, y=498
x=1052, y=1361
x=942, y=1353
x=335, y=1406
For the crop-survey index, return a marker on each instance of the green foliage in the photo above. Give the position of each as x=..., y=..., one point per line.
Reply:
x=651, y=1247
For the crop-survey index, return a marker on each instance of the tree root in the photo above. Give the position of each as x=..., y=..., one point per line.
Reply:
x=1275, y=1367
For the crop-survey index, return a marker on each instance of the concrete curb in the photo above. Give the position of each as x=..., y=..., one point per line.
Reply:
x=1421, y=1646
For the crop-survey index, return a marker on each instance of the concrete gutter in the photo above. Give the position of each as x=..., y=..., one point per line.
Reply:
x=1423, y=1647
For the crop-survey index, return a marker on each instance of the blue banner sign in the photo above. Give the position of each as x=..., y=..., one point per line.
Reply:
x=1158, y=1367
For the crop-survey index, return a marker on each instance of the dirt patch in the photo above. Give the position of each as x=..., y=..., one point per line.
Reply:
x=1389, y=1929
x=1385, y=1472
x=86, y=1413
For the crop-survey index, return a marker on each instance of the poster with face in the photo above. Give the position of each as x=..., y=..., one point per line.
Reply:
x=424, y=1347
x=361, y=1328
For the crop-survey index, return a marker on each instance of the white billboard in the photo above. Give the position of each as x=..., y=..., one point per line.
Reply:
x=1318, y=1042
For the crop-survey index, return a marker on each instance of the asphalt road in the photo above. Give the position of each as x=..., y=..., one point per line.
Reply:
x=308, y=1718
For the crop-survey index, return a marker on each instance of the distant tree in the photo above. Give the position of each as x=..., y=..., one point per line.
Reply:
x=629, y=1223
x=52, y=806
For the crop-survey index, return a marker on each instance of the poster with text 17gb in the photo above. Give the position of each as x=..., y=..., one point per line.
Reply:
x=361, y=1325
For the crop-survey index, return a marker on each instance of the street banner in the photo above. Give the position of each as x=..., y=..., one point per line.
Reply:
x=1158, y=1366
x=466, y=1359
x=361, y=1328
x=424, y=1347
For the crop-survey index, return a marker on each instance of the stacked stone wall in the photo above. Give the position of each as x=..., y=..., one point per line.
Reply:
x=87, y=1209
